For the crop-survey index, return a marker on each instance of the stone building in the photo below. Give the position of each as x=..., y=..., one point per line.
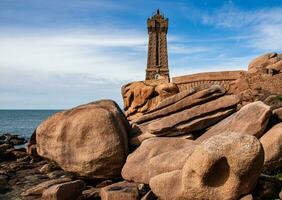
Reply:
x=157, y=64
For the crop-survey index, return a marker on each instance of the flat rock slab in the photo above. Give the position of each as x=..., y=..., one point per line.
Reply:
x=177, y=104
x=38, y=189
x=251, y=119
x=122, y=190
x=184, y=113
x=64, y=191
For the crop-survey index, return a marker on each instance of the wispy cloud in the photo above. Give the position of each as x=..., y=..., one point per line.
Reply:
x=115, y=54
x=268, y=37
x=89, y=51
x=230, y=16
x=53, y=90
x=261, y=25
x=49, y=63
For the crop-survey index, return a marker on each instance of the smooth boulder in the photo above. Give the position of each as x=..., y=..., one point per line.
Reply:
x=155, y=156
x=224, y=167
x=272, y=145
x=89, y=140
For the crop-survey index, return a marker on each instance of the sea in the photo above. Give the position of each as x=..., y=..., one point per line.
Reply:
x=22, y=122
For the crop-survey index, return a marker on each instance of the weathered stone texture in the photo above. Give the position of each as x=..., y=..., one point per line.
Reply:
x=155, y=156
x=263, y=78
x=224, y=167
x=120, y=191
x=270, y=63
x=251, y=119
x=64, y=191
x=89, y=140
x=272, y=144
x=140, y=97
x=184, y=114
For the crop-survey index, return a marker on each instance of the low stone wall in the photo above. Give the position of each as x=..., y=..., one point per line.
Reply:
x=206, y=79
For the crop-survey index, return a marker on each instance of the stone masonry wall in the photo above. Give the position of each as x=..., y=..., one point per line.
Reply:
x=204, y=80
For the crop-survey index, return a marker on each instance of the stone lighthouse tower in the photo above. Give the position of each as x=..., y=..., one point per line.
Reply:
x=157, y=64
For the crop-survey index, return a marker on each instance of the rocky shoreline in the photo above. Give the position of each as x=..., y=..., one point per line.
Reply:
x=24, y=176
x=30, y=176
x=167, y=144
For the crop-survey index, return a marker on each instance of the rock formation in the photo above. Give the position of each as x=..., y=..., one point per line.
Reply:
x=140, y=97
x=249, y=86
x=252, y=119
x=154, y=156
x=90, y=140
x=184, y=113
x=270, y=63
x=213, y=135
x=225, y=166
x=121, y=190
x=272, y=145
x=278, y=113
x=64, y=191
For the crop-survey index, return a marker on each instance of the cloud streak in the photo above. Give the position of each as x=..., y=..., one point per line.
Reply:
x=261, y=25
x=87, y=52
x=40, y=65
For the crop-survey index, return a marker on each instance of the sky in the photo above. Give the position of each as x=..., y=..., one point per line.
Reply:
x=58, y=54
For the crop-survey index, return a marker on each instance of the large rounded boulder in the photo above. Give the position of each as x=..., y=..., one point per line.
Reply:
x=89, y=140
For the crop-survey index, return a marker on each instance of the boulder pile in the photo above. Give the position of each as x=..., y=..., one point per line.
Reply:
x=225, y=166
x=184, y=114
x=198, y=144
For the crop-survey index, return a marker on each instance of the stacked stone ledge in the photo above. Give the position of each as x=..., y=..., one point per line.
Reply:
x=202, y=143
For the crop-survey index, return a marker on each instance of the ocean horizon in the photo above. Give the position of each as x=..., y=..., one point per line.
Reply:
x=23, y=122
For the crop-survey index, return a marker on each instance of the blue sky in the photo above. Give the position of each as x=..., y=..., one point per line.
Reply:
x=59, y=54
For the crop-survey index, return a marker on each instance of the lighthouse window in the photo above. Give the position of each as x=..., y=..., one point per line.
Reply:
x=157, y=76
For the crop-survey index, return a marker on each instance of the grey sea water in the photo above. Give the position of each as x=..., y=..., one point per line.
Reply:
x=22, y=122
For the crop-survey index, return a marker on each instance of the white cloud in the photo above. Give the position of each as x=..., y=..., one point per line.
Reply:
x=268, y=37
x=60, y=69
x=262, y=25
x=114, y=55
x=101, y=55
x=230, y=16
